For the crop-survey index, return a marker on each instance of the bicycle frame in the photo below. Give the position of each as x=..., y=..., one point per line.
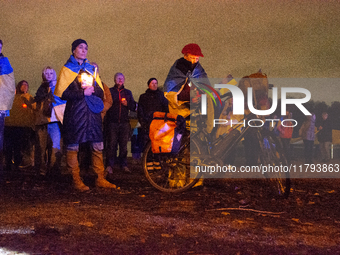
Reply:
x=220, y=153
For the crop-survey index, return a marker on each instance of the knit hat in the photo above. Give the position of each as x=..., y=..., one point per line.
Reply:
x=150, y=80
x=192, y=49
x=76, y=43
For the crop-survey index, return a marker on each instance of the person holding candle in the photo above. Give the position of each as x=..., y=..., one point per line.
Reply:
x=79, y=84
x=19, y=126
x=118, y=124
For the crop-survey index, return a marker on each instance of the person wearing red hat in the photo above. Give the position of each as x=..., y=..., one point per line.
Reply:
x=179, y=80
x=180, y=83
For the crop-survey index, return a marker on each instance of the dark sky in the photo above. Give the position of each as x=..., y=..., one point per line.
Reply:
x=142, y=39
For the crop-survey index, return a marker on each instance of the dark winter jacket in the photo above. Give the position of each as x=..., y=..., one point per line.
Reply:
x=45, y=101
x=149, y=102
x=325, y=134
x=80, y=123
x=119, y=113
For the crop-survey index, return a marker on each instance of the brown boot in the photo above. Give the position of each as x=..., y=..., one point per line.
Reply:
x=73, y=167
x=98, y=167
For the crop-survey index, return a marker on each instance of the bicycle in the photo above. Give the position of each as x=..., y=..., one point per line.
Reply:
x=175, y=173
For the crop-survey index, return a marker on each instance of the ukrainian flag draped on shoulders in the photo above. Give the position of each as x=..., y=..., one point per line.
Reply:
x=70, y=71
x=175, y=82
x=176, y=79
x=7, y=84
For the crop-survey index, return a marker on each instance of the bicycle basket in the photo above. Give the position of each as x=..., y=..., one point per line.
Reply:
x=166, y=131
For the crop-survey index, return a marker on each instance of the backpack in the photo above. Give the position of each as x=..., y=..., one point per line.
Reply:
x=166, y=132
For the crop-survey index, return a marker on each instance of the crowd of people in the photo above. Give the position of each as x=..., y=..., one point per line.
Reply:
x=77, y=107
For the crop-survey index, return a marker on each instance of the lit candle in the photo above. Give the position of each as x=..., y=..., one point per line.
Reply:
x=86, y=80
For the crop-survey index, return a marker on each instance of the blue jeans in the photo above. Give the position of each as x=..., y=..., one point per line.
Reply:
x=96, y=146
x=48, y=139
x=118, y=135
x=54, y=134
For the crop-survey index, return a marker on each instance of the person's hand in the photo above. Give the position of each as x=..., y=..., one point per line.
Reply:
x=320, y=127
x=124, y=102
x=88, y=91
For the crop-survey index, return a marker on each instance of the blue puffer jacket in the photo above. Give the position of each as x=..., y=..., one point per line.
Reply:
x=119, y=113
x=80, y=123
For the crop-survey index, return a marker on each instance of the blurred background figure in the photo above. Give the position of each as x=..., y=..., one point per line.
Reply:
x=48, y=149
x=307, y=133
x=286, y=133
x=19, y=134
x=325, y=137
x=7, y=92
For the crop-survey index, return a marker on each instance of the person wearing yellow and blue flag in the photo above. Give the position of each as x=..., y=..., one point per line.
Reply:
x=179, y=81
x=79, y=84
x=7, y=93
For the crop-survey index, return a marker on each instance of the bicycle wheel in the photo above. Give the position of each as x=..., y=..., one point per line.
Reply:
x=170, y=173
x=272, y=156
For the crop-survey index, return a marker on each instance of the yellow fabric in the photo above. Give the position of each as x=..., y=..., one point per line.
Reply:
x=210, y=115
x=7, y=91
x=224, y=90
x=21, y=116
x=223, y=129
x=176, y=106
x=181, y=108
x=336, y=136
x=66, y=77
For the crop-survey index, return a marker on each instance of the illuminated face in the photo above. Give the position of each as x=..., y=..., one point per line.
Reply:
x=153, y=85
x=80, y=52
x=120, y=80
x=191, y=58
x=24, y=88
x=49, y=75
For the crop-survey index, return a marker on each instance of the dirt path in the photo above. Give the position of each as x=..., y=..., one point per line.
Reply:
x=225, y=217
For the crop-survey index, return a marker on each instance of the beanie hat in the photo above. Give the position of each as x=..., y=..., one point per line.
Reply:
x=150, y=80
x=76, y=43
x=192, y=49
